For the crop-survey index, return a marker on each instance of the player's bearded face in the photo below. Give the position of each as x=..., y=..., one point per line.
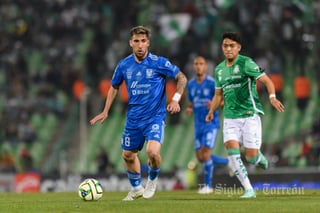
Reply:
x=230, y=49
x=140, y=44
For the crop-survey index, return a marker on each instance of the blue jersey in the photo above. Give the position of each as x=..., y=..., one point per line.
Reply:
x=200, y=94
x=145, y=82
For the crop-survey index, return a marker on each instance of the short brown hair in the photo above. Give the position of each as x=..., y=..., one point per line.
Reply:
x=140, y=30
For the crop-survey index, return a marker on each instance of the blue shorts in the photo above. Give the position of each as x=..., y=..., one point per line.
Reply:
x=133, y=138
x=205, y=137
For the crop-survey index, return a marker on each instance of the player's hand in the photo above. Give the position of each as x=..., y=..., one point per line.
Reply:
x=101, y=117
x=209, y=117
x=173, y=107
x=188, y=111
x=277, y=104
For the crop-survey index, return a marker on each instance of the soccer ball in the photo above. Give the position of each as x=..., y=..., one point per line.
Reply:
x=90, y=189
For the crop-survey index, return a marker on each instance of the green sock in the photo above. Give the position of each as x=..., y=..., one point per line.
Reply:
x=239, y=169
x=258, y=160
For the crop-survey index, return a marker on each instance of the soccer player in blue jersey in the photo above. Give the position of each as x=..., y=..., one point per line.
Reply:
x=145, y=77
x=236, y=78
x=200, y=92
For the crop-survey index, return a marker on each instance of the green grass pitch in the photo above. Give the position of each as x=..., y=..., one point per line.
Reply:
x=164, y=201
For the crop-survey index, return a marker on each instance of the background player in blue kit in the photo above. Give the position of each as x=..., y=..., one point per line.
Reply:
x=200, y=92
x=145, y=77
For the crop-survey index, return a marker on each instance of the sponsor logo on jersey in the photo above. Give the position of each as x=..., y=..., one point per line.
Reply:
x=134, y=84
x=231, y=86
x=236, y=76
x=139, y=89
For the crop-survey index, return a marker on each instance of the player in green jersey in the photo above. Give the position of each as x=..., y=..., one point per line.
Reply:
x=236, y=84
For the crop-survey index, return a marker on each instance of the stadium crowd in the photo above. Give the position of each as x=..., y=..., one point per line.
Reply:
x=41, y=56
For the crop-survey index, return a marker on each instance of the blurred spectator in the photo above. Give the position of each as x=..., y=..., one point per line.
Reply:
x=11, y=133
x=302, y=90
x=278, y=84
x=306, y=154
x=93, y=61
x=7, y=161
x=26, y=131
x=291, y=152
x=309, y=154
x=104, y=86
x=316, y=126
x=178, y=185
x=78, y=89
x=103, y=89
x=26, y=161
x=124, y=98
x=104, y=165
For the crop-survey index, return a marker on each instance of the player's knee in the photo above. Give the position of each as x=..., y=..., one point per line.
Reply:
x=153, y=154
x=128, y=157
x=203, y=154
x=203, y=158
x=200, y=159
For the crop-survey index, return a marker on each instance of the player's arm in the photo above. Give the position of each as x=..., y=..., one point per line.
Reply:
x=272, y=95
x=215, y=104
x=112, y=94
x=173, y=106
x=181, y=82
x=221, y=103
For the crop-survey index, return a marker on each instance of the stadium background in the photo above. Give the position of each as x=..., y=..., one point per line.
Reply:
x=57, y=56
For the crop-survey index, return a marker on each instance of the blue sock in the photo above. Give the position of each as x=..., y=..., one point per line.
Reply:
x=219, y=160
x=208, y=172
x=134, y=178
x=153, y=172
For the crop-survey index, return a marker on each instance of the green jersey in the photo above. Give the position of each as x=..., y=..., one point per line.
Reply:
x=238, y=83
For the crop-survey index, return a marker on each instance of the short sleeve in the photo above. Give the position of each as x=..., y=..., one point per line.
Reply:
x=252, y=69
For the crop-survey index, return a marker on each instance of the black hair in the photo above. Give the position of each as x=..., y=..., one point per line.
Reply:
x=232, y=36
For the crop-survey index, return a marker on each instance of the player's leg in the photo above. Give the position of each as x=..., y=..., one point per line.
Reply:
x=132, y=141
x=155, y=135
x=252, y=144
x=154, y=161
x=217, y=160
x=254, y=156
x=204, y=156
x=204, y=143
x=232, y=133
x=132, y=163
x=210, y=142
x=239, y=169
